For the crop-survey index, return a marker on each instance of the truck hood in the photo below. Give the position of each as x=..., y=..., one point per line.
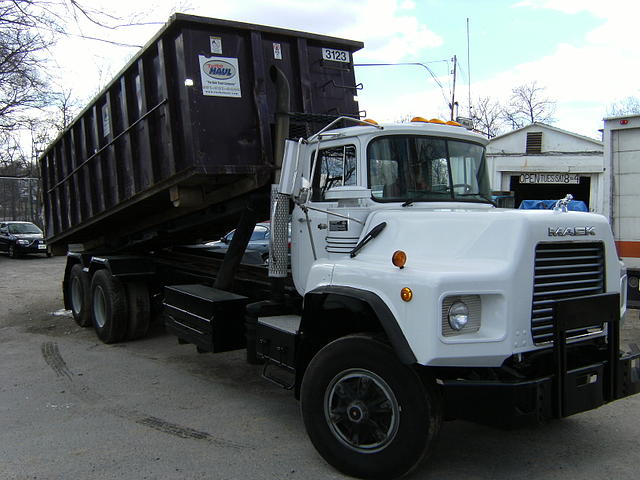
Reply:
x=455, y=237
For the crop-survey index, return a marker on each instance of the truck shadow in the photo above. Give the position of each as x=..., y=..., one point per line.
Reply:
x=564, y=448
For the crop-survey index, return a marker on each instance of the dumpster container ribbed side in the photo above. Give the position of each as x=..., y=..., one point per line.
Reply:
x=186, y=125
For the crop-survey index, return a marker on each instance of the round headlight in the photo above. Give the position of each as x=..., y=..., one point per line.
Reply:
x=458, y=315
x=633, y=282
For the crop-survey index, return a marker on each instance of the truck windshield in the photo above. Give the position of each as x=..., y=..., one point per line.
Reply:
x=420, y=168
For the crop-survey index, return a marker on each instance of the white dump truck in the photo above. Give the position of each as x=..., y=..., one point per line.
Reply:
x=407, y=296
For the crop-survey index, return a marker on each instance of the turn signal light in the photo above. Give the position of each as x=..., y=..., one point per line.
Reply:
x=419, y=119
x=406, y=294
x=455, y=124
x=437, y=120
x=399, y=258
x=368, y=121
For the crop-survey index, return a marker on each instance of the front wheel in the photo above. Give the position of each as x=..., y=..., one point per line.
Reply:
x=366, y=413
x=13, y=253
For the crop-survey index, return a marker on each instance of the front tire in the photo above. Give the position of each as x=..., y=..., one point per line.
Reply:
x=108, y=307
x=13, y=253
x=366, y=413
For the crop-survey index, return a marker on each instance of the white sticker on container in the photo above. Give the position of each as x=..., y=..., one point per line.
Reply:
x=216, y=44
x=106, y=121
x=220, y=76
x=277, y=51
x=334, y=55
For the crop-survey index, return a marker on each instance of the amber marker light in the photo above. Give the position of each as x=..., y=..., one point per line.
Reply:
x=399, y=258
x=406, y=294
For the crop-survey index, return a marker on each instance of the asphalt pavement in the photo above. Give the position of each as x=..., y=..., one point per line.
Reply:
x=74, y=408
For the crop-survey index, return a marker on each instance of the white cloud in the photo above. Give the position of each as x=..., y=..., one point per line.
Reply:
x=387, y=27
x=584, y=79
x=390, y=31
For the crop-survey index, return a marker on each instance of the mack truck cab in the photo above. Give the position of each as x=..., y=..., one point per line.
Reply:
x=423, y=301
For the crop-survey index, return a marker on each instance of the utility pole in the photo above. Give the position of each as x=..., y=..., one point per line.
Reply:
x=453, y=90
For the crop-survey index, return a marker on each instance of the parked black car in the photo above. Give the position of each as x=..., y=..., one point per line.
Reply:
x=258, y=243
x=257, y=252
x=17, y=238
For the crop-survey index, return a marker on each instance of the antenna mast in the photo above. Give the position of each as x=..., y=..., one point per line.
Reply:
x=453, y=90
x=469, y=68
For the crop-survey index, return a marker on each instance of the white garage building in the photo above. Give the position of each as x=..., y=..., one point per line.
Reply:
x=541, y=162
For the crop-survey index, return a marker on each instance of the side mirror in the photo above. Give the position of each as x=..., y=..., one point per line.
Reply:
x=290, y=167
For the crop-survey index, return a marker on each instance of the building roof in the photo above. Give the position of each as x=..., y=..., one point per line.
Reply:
x=548, y=127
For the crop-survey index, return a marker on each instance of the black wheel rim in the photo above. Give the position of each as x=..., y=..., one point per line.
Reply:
x=99, y=307
x=361, y=410
x=76, y=295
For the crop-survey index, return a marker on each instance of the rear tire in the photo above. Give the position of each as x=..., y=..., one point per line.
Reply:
x=367, y=414
x=80, y=295
x=139, y=307
x=108, y=307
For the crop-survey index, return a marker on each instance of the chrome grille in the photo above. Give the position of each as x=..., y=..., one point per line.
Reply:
x=564, y=270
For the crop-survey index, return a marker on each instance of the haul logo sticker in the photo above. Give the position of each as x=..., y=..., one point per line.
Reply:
x=220, y=76
x=219, y=70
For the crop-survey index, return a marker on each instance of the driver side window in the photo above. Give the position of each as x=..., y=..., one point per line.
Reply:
x=335, y=167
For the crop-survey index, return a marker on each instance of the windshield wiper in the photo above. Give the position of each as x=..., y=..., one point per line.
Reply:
x=419, y=197
x=375, y=231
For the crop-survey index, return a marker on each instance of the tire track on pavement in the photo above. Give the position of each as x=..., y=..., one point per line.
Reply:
x=51, y=355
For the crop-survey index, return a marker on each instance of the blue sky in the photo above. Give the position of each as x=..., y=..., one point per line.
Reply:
x=582, y=51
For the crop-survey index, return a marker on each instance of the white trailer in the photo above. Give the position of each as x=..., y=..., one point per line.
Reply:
x=622, y=201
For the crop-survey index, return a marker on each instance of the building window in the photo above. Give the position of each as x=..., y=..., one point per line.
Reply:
x=534, y=142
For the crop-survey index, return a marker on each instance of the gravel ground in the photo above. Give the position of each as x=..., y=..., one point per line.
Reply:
x=72, y=407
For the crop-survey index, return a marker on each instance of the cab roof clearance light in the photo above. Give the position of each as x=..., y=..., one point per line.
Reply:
x=435, y=120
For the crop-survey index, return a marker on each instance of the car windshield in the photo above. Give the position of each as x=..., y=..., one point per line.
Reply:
x=259, y=233
x=19, y=228
x=421, y=168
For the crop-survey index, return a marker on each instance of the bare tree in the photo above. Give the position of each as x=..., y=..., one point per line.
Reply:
x=66, y=105
x=21, y=42
x=529, y=104
x=626, y=106
x=31, y=111
x=488, y=116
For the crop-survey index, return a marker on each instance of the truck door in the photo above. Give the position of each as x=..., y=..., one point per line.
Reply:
x=335, y=166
